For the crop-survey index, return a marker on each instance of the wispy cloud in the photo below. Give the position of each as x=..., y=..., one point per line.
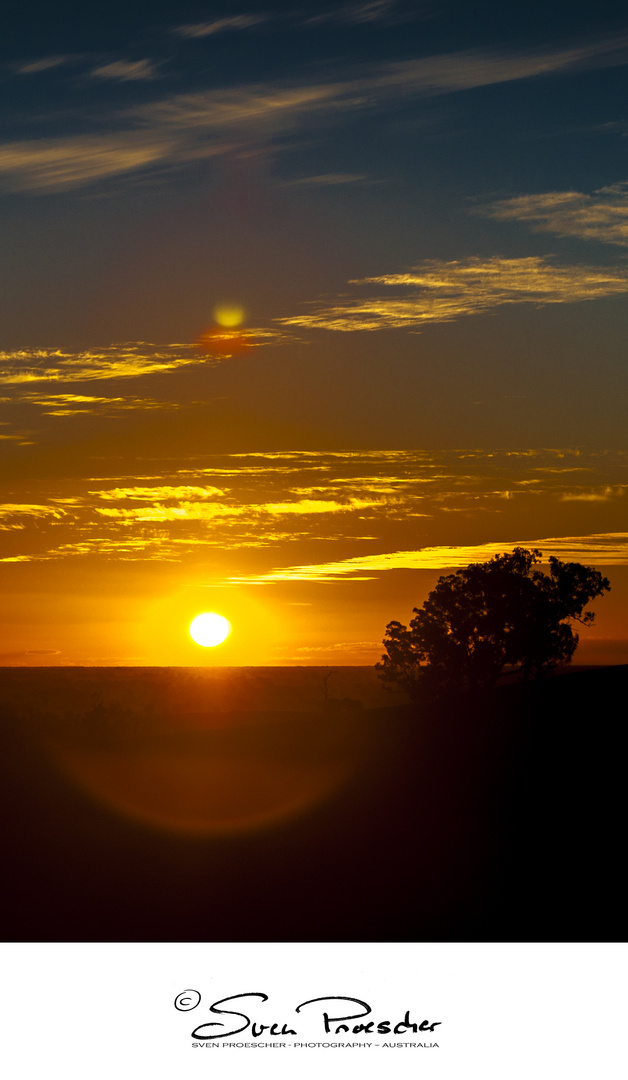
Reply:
x=89, y=405
x=29, y=509
x=449, y=72
x=324, y=180
x=129, y=548
x=63, y=164
x=370, y=10
x=367, y=11
x=22, y=438
x=602, y=216
x=162, y=492
x=219, y=26
x=126, y=361
x=384, y=509
x=34, y=67
x=194, y=510
x=126, y=70
x=184, y=511
x=24, y=366
x=17, y=515
x=25, y=656
x=315, y=506
x=359, y=87
x=121, y=550
x=236, y=108
x=606, y=494
x=604, y=549
x=437, y=291
x=185, y=127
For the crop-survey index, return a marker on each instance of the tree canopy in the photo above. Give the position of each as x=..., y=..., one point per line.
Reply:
x=489, y=616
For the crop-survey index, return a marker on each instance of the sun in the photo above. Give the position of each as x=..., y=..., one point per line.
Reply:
x=209, y=629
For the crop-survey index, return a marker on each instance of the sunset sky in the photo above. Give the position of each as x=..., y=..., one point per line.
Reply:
x=303, y=306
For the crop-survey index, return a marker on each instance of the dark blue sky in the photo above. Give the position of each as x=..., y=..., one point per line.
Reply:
x=158, y=159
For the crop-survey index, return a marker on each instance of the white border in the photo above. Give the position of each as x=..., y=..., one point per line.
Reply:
x=506, y=1011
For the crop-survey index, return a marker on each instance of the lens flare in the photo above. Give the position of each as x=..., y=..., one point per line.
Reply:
x=209, y=629
x=220, y=342
x=236, y=774
x=228, y=315
x=226, y=337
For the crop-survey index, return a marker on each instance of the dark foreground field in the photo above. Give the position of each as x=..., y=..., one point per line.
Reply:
x=171, y=804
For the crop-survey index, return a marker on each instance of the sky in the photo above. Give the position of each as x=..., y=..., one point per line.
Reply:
x=301, y=307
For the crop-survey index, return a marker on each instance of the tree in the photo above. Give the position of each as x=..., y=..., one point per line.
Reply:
x=489, y=616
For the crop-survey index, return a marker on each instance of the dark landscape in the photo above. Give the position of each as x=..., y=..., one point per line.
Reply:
x=305, y=804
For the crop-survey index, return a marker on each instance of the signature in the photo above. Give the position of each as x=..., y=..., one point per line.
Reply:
x=332, y=1024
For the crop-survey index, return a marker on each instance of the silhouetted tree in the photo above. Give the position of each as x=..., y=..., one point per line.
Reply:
x=489, y=616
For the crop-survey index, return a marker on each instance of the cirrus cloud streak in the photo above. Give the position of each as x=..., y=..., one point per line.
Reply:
x=602, y=216
x=445, y=291
x=604, y=549
x=219, y=26
x=182, y=128
x=129, y=360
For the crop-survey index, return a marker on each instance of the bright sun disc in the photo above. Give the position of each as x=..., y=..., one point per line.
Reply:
x=209, y=629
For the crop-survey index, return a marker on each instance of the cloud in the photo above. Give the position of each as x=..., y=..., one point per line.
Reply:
x=126, y=70
x=313, y=455
x=603, y=549
x=389, y=485
x=443, y=73
x=442, y=291
x=449, y=72
x=10, y=657
x=385, y=509
x=45, y=64
x=607, y=494
x=234, y=109
x=21, y=438
x=188, y=510
x=185, y=127
x=121, y=550
x=324, y=180
x=88, y=405
x=315, y=506
x=30, y=509
x=128, y=361
x=220, y=26
x=63, y=164
x=16, y=515
x=340, y=647
x=185, y=511
x=602, y=216
x=156, y=548
x=367, y=11
x=177, y=520
x=164, y=491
